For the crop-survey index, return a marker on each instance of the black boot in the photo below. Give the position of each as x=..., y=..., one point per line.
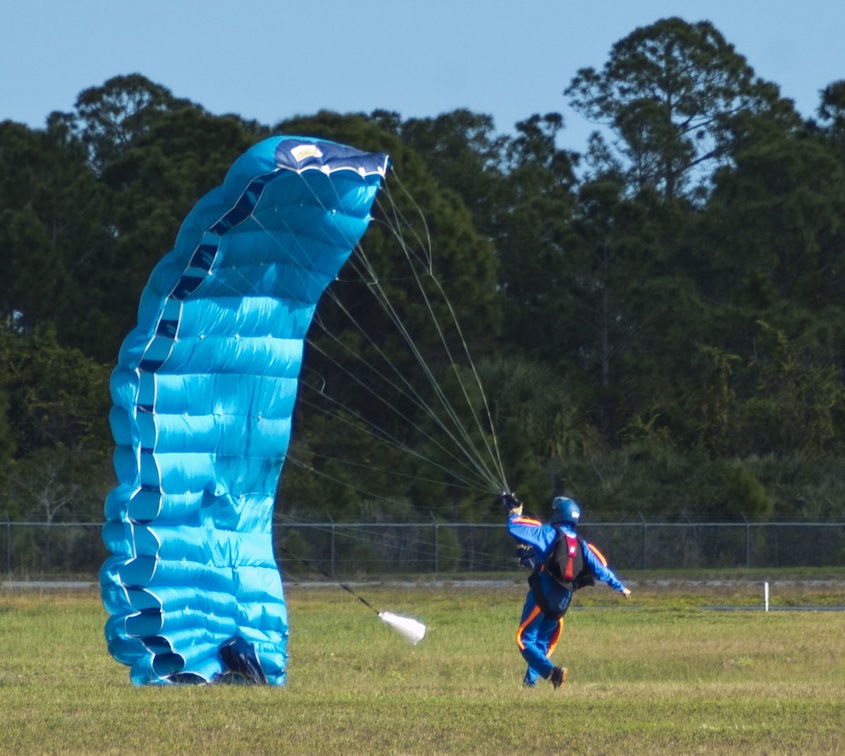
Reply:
x=558, y=677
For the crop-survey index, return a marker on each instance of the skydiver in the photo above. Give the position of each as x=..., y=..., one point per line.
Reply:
x=562, y=562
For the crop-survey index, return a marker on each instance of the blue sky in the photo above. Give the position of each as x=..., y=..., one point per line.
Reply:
x=271, y=59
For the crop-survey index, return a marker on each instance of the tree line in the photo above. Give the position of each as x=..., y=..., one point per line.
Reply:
x=657, y=321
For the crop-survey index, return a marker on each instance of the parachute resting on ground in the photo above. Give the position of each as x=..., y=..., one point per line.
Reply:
x=203, y=395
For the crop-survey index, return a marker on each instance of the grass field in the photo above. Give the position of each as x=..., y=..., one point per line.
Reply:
x=659, y=673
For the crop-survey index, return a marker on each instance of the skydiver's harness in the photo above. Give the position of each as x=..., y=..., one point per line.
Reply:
x=566, y=566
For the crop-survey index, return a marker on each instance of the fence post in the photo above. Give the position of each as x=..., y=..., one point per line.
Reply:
x=644, y=526
x=747, y=541
x=436, y=543
x=8, y=544
x=331, y=553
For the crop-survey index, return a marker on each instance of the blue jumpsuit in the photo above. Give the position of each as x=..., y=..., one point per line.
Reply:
x=538, y=634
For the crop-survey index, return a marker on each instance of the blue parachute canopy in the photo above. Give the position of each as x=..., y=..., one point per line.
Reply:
x=203, y=395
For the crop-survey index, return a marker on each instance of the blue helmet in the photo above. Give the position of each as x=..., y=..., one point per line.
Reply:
x=565, y=510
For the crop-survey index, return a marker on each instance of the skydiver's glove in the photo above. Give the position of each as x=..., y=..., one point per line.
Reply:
x=512, y=506
x=525, y=556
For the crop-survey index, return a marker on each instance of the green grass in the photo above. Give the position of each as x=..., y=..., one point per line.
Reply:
x=656, y=674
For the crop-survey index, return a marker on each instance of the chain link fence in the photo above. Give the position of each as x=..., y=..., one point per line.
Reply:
x=349, y=549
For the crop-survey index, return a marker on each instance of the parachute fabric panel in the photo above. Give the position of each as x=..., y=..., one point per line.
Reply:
x=203, y=395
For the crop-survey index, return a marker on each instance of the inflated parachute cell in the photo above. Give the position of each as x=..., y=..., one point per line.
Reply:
x=203, y=394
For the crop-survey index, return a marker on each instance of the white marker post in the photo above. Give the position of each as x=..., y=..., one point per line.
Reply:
x=766, y=595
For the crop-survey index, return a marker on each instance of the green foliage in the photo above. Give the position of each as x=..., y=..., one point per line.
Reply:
x=463, y=153
x=671, y=91
x=53, y=228
x=109, y=118
x=832, y=114
x=801, y=487
x=7, y=442
x=55, y=425
x=643, y=328
x=781, y=207
x=450, y=553
x=295, y=552
x=746, y=495
x=58, y=397
x=57, y=484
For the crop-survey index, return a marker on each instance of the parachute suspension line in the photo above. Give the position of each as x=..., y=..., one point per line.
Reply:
x=357, y=532
x=304, y=466
x=394, y=473
x=494, y=451
x=411, y=392
x=415, y=399
x=495, y=481
x=493, y=484
x=383, y=435
x=362, y=534
x=482, y=474
x=467, y=445
x=399, y=221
